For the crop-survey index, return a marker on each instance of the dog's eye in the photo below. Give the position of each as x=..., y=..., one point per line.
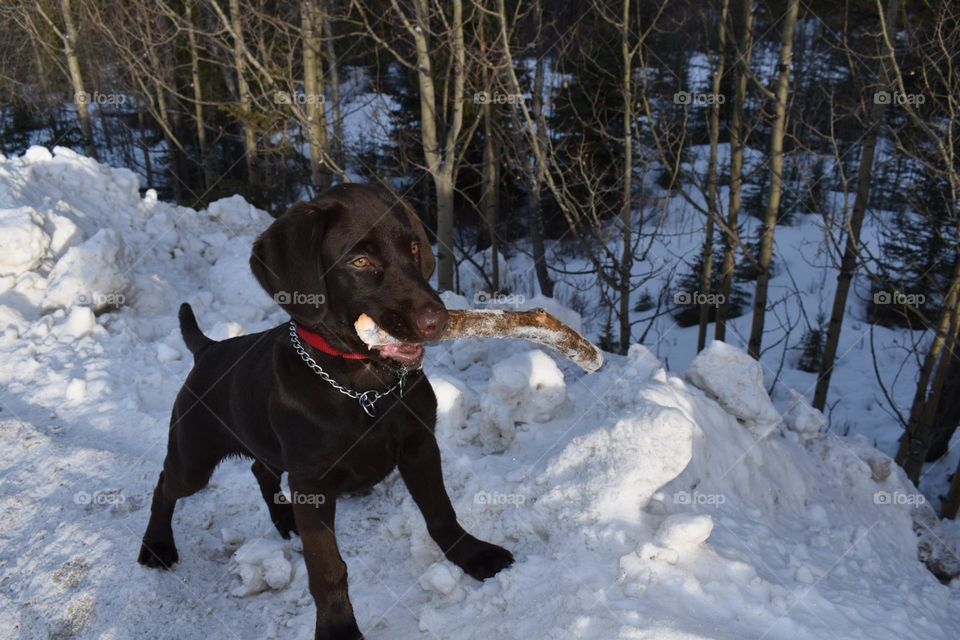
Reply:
x=415, y=248
x=362, y=262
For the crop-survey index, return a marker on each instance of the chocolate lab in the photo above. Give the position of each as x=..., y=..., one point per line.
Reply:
x=311, y=399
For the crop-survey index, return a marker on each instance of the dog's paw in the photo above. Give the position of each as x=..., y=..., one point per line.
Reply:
x=158, y=555
x=481, y=560
x=285, y=523
x=339, y=632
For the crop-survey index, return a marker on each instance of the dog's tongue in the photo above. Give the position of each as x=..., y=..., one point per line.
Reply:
x=403, y=352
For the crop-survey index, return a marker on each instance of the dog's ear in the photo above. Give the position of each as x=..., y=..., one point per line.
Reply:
x=287, y=260
x=427, y=260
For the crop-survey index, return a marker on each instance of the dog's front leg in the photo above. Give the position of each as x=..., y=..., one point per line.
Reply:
x=419, y=466
x=314, y=512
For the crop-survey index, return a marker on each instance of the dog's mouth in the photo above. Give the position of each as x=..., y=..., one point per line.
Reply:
x=409, y=354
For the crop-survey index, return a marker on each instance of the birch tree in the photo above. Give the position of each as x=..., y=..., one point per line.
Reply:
x=442, y=133
x=738, y=132
x=778, y=130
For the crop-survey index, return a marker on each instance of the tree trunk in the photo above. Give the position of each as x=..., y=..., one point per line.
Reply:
x=81, y=98
x=951, y=503
x=336, y=144
x=947, y=418
x=535, y=175
x=444, y=188
x=851, y=251
x=489, y=200
x=313, y=87
x=440, y=162
x=243, y=91
x=713, y=179
x=141, y=125
x=916, y=441
x=208, y=176
x=776, y=179
x=626, y=204
x=744, y=54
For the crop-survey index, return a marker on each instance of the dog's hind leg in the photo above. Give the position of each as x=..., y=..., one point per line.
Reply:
x=186, y=470
x=281, y=511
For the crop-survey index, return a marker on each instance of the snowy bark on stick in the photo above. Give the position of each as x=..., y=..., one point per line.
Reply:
x=535, y=325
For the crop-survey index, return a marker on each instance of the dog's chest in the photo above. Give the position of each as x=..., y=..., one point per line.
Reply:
x=356, y=457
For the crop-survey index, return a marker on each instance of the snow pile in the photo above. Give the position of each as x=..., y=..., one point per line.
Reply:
x=801, y=418
x=23, y=243
x=637, y=504
x=262, y=565
x=735, y=380
x=526, y=387
x=92, y=273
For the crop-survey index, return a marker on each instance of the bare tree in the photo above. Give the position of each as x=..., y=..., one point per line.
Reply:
x=713, y=177
x=738, y=130
x=442, y=132
x=851, y=251
x=313, y=85
x=777, y=133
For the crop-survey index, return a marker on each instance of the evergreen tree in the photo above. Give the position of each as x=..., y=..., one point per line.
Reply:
x=686, y=295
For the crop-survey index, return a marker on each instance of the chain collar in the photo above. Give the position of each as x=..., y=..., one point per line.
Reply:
x=366, y=399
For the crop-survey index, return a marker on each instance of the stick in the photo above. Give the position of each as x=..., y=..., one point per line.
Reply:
x=535, y=325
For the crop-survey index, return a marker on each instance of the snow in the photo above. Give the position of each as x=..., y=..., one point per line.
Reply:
x=530, y=384
x=638, y=502
x=801, y=418
x=682, y=530
x=92, y=273
x=735, y=380
x=23, y=243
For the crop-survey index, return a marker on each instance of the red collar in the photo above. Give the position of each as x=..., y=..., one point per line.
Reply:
x=320, y=343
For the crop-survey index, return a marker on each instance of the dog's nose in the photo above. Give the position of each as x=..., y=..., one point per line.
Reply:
x=431, y=322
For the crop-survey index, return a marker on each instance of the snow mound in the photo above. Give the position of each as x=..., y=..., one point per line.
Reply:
x=735, y=380
x=262, y=565
x=801, y=418
x=23, y=242
x=91, y=274
x=636, y=504
x=608, y=475
x=526, y=387
x=682, y=530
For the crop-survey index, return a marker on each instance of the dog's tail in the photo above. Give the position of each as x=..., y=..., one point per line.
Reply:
x=190, y=330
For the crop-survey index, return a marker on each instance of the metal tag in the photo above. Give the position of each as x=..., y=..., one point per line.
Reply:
x=366, y=401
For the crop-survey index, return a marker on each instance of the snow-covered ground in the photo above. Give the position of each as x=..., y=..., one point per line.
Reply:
x=639, y=502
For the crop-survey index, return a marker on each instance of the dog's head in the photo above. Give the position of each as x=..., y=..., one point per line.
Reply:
x=355, y=249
